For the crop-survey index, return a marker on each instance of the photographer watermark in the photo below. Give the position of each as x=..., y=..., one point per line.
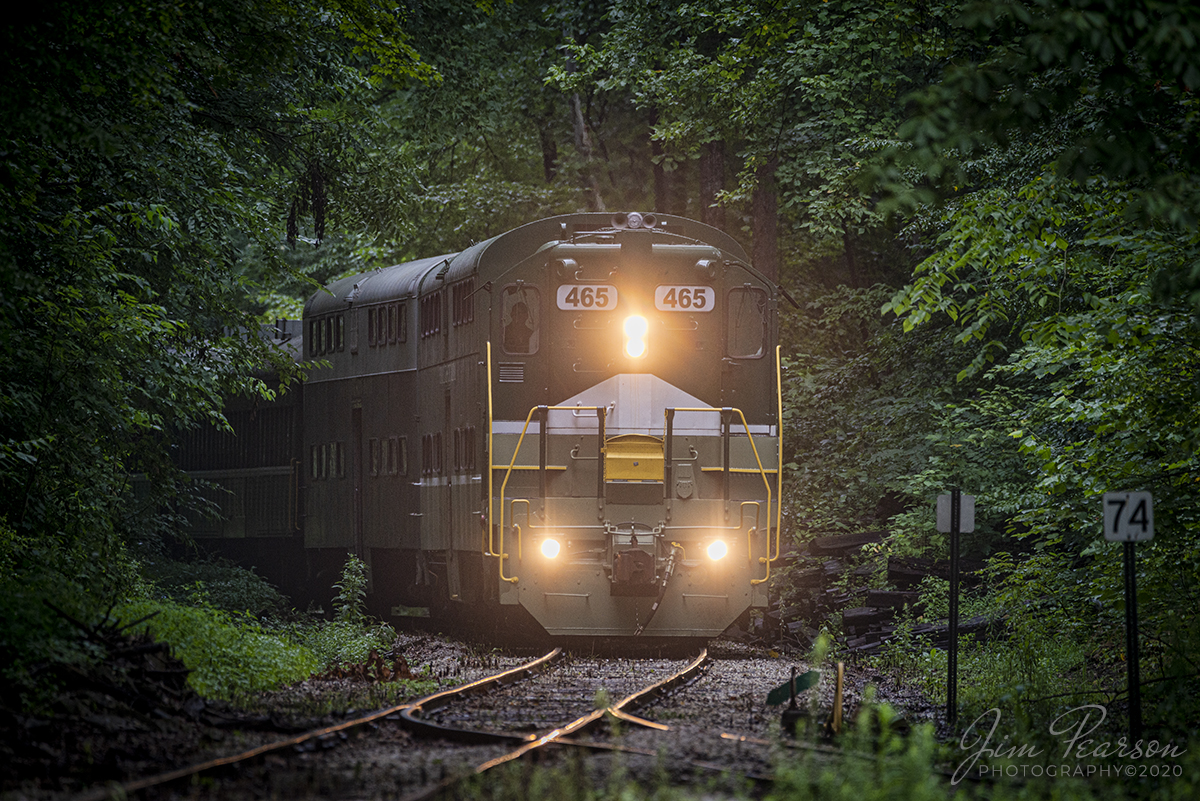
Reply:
x=1073, y=727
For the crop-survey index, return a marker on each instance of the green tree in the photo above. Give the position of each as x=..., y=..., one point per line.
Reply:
x=486, y=147
x=145, y=144
x=805, y=94
x=1098, y=88
x=1064, y=254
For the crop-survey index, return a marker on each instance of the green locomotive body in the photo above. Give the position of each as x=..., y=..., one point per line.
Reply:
x=579, y=417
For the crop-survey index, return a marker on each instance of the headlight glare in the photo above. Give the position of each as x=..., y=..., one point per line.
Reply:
x=636, y=329
x=551, y=547
x=717, y=550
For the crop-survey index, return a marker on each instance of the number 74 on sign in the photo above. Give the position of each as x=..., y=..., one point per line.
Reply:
x=1128, y=516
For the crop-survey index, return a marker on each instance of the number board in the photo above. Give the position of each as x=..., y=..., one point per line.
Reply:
x=674, y=297
x=1128, y=516
x=966, y=514
x=587, y=297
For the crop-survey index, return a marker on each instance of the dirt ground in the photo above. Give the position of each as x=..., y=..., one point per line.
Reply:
x=134, y=716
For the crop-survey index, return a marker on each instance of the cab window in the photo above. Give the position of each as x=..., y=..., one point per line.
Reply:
x=520, y=318
x=747, y=323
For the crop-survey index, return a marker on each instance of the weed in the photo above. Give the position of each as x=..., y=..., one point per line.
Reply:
x=350, y=602
x=352, y=634
x=230, y=655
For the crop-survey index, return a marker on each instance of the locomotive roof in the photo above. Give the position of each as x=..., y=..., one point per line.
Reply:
x=377, y=286
x=492, y=257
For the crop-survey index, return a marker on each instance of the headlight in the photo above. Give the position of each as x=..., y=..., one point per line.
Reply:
x=550, y=547
x=636, y=329
x=717, y=550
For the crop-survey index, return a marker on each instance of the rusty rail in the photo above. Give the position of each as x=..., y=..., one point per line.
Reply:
x=561, y=735
x=431, y=701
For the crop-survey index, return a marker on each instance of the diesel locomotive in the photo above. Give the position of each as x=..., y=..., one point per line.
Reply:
x=579, y=418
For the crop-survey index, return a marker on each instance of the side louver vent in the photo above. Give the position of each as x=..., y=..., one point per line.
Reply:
x=512, y=372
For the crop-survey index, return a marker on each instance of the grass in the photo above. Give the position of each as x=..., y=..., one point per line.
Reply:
x=234, y=655
x=230, y=656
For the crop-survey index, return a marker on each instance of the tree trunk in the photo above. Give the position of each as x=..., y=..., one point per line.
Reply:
x=662, y=179
x=852, y=276
x=765, y=210
x=712, y=181
x=549, y=151
x=583, y=143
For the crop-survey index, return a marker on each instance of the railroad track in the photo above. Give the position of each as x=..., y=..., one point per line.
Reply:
x=551, y=700
x=584, y=690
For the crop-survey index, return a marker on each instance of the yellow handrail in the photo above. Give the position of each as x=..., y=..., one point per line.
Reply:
x=512, y=508
x=779, y=448
x=503, y=489
x=742, y=519
x=487, y=550
x=761, y=470
x=750, y=438
x=512, y=466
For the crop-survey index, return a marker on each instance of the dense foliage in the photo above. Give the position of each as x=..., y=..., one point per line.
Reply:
x=233, y=649
x=1012, y=184
x=146, y=146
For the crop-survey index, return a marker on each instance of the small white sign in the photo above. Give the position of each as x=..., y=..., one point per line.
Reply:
x=966, y=513
x=587, y=297
x=677, y=298
x=1128, y=516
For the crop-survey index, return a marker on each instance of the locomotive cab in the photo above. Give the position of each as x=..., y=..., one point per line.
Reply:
x=635, y=442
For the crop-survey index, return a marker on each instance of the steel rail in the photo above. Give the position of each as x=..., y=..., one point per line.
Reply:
x=560, y=735
x=634, y=701
x=412, y=714
x=124, y=790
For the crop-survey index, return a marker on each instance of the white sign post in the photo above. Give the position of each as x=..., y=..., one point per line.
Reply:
x=955, y=515
x=966, y=514
x=1129, y=518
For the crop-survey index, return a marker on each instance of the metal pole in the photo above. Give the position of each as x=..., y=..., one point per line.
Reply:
x=668, y=461
x=600, y=411
x=1131, y=646
x=726, y=417
x=952, y=660
x=543, y=418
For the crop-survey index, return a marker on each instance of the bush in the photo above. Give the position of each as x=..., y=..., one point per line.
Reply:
x=207, y=617
x=222, y=585
x=351, y=635
x=44, y=579
x=338, y=642
x=230, y=655
x=34, y=638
